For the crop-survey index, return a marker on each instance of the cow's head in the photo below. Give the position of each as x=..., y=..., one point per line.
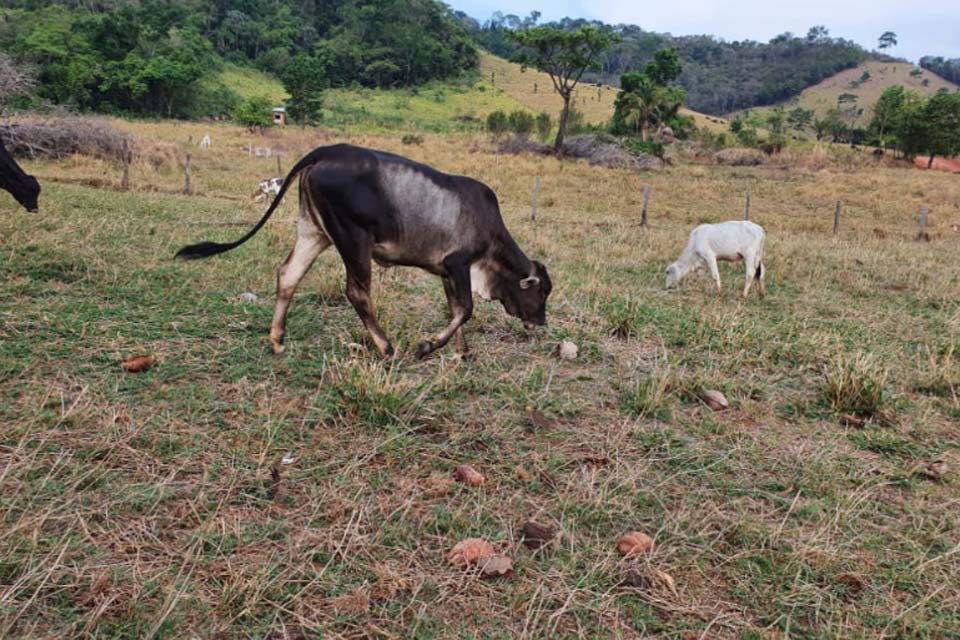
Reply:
x=527, y=298
x=21, y=186
x=673, y=275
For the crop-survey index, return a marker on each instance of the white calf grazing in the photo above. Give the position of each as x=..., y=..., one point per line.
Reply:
x=729, y=241
x=205, y=142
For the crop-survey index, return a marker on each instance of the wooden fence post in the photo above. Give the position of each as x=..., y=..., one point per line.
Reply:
x=187, y=188
x=536, y=198
x=125, y=183
x=836, y=218
x=643, y=212
x=923, y=223
x=746, y=212
x=279, y=168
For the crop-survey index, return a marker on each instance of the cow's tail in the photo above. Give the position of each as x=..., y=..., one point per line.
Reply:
x=207, y=249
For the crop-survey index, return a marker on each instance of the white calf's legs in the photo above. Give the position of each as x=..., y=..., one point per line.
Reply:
x=711, y=261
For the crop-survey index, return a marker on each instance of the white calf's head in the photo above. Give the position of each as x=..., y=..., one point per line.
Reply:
x=673, y=275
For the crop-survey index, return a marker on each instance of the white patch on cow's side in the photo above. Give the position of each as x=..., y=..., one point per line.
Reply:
x=480, y=281
x=423, y=203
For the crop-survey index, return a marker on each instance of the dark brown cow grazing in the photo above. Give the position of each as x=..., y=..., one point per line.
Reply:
x=21, y=186
x=379, y=206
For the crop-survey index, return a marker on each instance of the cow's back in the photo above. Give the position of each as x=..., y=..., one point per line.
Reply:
x=415, y=213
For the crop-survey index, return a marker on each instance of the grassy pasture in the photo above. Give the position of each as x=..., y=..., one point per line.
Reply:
x=137, y=506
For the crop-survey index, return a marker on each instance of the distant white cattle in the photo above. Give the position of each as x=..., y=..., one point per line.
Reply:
x=728, y=241
x=266, y=188
x=205, y=142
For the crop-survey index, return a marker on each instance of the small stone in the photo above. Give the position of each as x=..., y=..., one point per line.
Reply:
x=568, y=350
x=535, y=535
x=714, y=399
x=536, y=421
x=937, y=470
x=249, y=296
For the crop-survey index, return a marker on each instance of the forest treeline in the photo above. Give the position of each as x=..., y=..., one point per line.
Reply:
x=160, y=57
x=946, y=68
x=718, y=76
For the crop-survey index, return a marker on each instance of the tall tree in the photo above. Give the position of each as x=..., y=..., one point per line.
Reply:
x=563, y=55
x=887, y=39
x=665, y=67
x=941, y=114
x=305, y=78
x=885, y=112
x=646, y=98
x=799, y=119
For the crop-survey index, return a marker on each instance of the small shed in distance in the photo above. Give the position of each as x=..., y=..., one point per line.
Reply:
x=279, y=116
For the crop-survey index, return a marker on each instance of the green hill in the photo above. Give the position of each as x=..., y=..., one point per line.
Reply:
x=867, y=82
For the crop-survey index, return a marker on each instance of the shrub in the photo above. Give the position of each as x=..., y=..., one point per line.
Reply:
x=738, y=157
x=62, y=137
x=498, y=122
x=254, y=112
x=521, y=122
x=649, y=147
x=544, y=125
x=854, y=385
x=411, y=138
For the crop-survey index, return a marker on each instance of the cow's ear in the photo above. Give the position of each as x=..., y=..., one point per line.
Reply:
x=532, y=281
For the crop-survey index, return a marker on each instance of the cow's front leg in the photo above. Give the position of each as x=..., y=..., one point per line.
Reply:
x=457, y=287
x=459, y=340
x=358, y=292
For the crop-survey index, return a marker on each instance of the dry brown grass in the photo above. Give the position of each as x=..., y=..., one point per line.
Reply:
x=158, y=505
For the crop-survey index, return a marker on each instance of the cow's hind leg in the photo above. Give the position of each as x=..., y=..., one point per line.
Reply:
x=310, y=243
x=457, y=287
x=752, y=268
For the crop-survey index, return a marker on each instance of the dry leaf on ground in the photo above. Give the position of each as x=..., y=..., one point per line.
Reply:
x=469, y=551
x=634, y=543
x=138, y=364
x=468, y=475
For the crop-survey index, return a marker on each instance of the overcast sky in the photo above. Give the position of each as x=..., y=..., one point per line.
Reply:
x=923, y=27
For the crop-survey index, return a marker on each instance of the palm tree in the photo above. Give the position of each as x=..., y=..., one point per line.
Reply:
x=641, y=104
x=651, y=104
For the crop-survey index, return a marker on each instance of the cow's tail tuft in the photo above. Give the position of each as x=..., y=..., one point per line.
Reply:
x=207, y=249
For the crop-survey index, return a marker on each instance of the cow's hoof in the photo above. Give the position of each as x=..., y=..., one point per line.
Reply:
x=424, y=349
x=277, y=347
